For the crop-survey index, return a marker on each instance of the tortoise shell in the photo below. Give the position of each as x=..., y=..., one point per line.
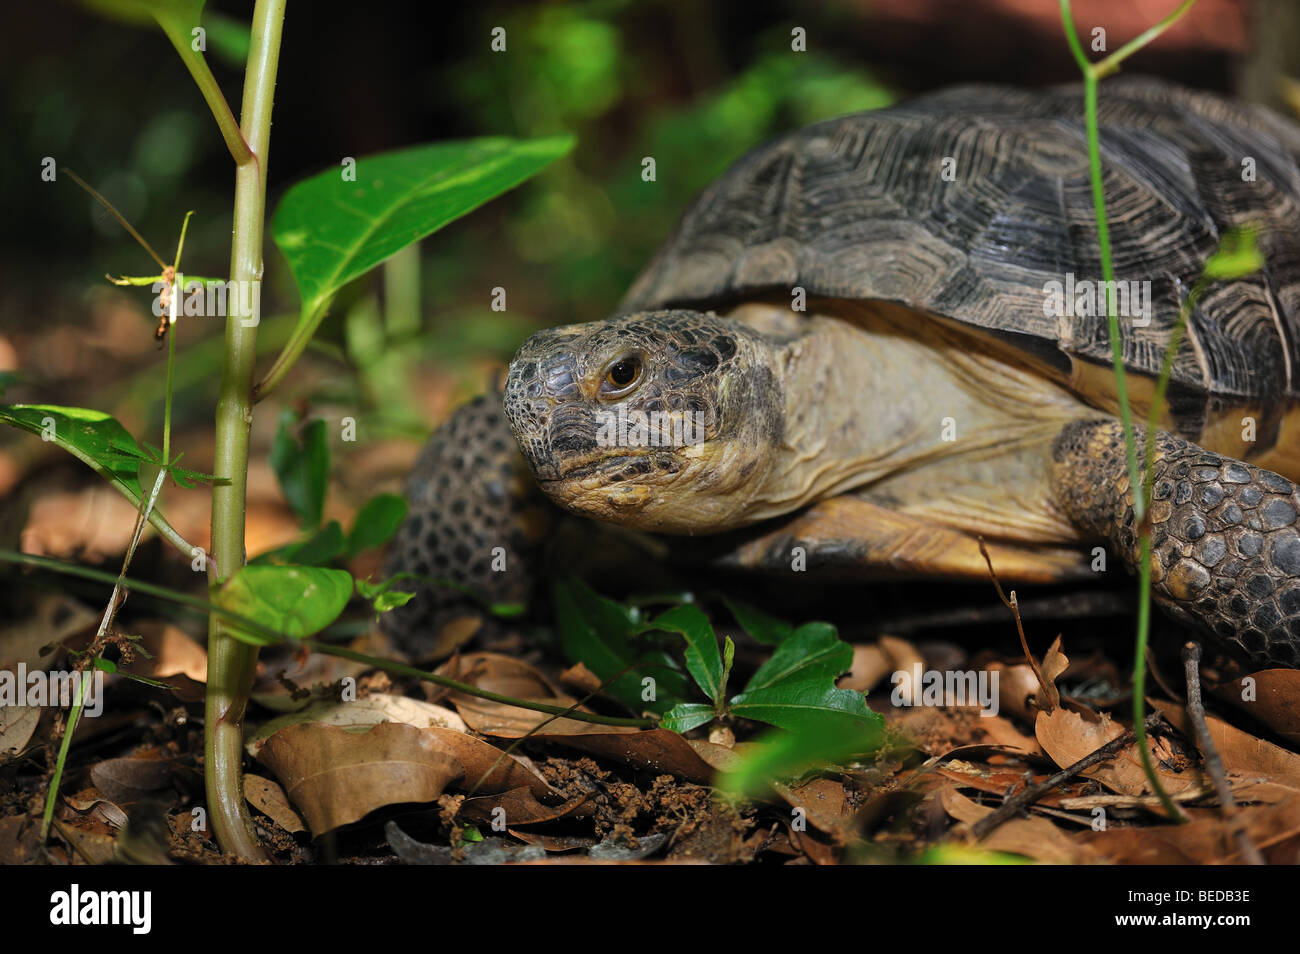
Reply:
x=967, y=204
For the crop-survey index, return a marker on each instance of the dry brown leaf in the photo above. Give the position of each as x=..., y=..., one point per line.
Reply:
x=824, y=805
x=512, y=677
x=336, y=776
x=487, y=768
x=519, y=807
x=89, y=525
x=1272, y=696
x=17, y=724
x=127, y=779
x=98, y=808
x=1067, y=737
x=1206, y=839
x=1054, y=663
x=1035, y=838
x=1018, y=690
x=1241, y=752
x=580, y=679
x=269, y=799
x=1001, y=731
x=1002, y=782
x=372, y=709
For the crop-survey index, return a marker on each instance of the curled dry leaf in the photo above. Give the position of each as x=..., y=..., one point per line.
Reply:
x=1054, y=663
x=1018, y=690
x=17, y=724
x=367, y=710
x=520, y=807
x=269, y=799
x=335, y=776
x=98, y=808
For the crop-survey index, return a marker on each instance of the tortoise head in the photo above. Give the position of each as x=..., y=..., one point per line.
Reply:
x=661, y=420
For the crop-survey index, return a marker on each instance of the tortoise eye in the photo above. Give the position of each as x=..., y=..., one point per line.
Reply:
x=623, y=373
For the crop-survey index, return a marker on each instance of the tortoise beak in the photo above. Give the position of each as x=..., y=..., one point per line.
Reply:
x=546, y=410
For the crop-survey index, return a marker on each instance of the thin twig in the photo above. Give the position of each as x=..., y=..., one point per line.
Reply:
x=1210, y=755
x=1013, y=806
x=1015, y=611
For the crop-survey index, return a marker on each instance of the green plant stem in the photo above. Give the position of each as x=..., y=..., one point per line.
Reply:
x=230, y=662
x=313, y=314
x=179, y=35
x=1092, y=74
x=387, y=665
x=1111, y=63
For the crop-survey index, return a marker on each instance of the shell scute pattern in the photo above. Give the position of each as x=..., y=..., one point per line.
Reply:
x=857, y=208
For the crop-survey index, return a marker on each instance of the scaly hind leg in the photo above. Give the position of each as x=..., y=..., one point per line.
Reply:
x=1225, y=543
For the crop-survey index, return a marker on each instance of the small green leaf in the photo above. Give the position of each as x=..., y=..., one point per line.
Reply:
x=320, y=549
x=1236, y=257
x=295, y=601
x=761, y=627
x=795, y=691
x=391, y=600
x=382, y=596
x=98, y=440
x=332, y=230
x=376, y=522
x=302, y=466
x=782, y=754
x=597, y=632
x=703, y=661
x=686, y=716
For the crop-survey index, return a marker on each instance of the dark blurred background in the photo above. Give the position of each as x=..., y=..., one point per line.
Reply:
x=692, y=84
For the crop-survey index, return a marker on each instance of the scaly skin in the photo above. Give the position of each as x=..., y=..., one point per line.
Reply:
x=1225, y=543
x=469, y=493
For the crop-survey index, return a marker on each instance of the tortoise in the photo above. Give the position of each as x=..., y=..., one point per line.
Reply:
x=868, y=345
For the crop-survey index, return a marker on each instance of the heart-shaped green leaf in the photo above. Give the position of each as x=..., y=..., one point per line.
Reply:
x=295, y=601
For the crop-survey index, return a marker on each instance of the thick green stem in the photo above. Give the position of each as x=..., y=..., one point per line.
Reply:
x=231, y=663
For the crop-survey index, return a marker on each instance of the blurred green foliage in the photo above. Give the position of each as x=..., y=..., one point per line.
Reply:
x=686, y=84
